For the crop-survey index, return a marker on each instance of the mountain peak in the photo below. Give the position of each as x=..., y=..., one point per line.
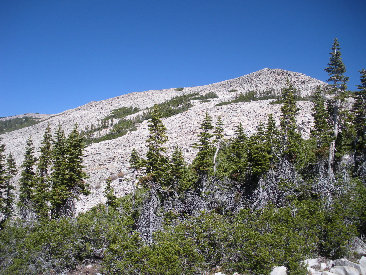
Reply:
x=110, y=157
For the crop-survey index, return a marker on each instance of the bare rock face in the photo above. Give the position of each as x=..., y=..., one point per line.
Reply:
x=110, y=157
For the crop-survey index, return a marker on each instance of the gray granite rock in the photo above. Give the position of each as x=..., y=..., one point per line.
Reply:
x=110, y=158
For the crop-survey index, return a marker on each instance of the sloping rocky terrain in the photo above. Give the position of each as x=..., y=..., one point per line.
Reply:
x=110, y=158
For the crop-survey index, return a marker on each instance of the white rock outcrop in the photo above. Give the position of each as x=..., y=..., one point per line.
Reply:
x=110, y=157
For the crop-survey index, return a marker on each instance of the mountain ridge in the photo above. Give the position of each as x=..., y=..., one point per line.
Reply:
x=110, y=158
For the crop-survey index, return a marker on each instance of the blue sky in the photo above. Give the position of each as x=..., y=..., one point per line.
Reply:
x=56, y=55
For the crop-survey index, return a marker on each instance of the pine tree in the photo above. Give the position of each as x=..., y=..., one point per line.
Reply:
x=178, y=168
x=219, y=130
x=2, y=185
x=156, y=161
x=67, y=175
x=359, y=111
x=11, y=171
x=337, y=80
x=135, y=160
x=59, y=192
x=290, y=135
x=258, y=155
x=109, y=194
x=203, y=162
x=238, y=155
x=321, y=131
x=27, y=181
x=336, y=69
x=75, y=146
x=272, y=138
x=42, y=188
x=218, y=134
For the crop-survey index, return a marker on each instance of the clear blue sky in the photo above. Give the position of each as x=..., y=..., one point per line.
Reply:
x=60, y=54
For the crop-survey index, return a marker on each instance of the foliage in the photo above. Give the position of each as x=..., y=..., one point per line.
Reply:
x=336, y=68
x=12, y=124
x=7, y=172
x=156, y=161
x=109, y=194
x=359, y=113
x=67, y=175
x=27, y=181
x=206, y=96
x=203, y=162
x=321, y=132
x=122, y=113
x=41, y=189
x=290, y=135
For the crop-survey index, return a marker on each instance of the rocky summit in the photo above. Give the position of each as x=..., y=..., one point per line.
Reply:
x=110, y=158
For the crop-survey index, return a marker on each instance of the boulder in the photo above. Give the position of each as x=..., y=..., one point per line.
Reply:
x=279, y=270
x=344, y=270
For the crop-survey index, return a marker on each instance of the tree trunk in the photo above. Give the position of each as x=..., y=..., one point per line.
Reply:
x=332, y=144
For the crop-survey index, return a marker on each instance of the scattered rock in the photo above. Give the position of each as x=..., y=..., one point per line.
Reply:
x=344, y=270
x=279, y=270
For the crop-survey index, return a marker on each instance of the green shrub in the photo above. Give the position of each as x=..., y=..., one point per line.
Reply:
x=247, y=97
x=13, y=124
x=205, y=97
x=122, y=112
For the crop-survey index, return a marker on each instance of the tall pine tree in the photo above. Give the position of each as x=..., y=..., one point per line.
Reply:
x=290, y=135
x=9, y=197
x=27, y=181
x=2, y=185
x=338, y=85
x=203, y=162
x=178, y=169
x=321, y=131
x=42, y=187
x=157, y=164
x=76, y=175
x=359, y=111
x=238, y=155
x=219, y=135
x=59, y=178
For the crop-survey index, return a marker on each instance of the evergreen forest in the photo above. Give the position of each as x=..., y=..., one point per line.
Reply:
x=244, y=204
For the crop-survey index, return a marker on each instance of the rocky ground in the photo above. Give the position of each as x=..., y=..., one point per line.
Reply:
x=110, y=158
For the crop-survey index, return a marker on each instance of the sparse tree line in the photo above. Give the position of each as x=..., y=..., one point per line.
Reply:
x=48, y=184
x=316, y=195
x=338, y=131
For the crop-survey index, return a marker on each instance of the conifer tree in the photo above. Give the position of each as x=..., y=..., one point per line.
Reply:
x=290, y=135
x=59, y=192
x=218, y=134
x=11, y=171
x=156, y=161
x=2, y=185
x=109, y=194
x=219, y=130
x=203, y=162
x=67, y=175
x=76, y=176
x=272, y=137
x=238, y=155
x=359, y=111
x=27, y=181
x=178, y=168
x=258, y=156
x=42, y=188
x=337, y=81
x=135, y=160
x=321, y=131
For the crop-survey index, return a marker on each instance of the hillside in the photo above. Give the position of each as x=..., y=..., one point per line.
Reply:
x=110, y=157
